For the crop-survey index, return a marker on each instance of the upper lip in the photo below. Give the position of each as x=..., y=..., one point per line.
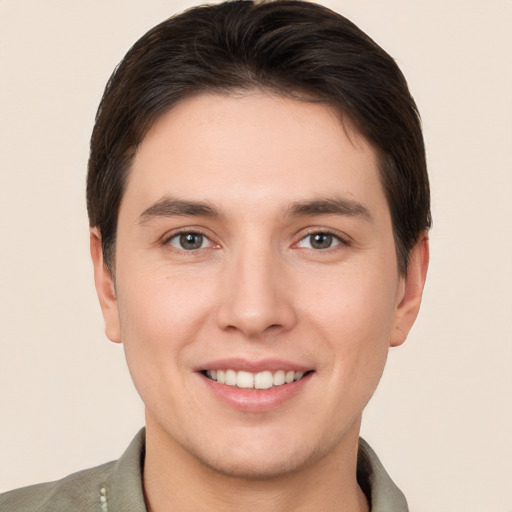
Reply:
x=252, y=365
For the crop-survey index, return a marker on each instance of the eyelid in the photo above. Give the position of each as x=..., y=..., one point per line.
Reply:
x=177, y=239
x=343, y=239
x=166, y=239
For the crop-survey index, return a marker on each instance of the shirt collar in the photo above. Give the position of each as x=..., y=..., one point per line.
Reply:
x=381, y=491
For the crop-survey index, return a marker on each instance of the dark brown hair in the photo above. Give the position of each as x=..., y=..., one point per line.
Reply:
x=288, y=46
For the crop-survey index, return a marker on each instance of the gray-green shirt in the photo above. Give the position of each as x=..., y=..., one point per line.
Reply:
x=117, y=487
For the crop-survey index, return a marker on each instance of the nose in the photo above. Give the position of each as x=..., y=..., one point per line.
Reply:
x=256, y=295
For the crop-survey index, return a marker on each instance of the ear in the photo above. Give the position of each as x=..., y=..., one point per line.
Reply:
x=105, y=288
x=411, y=290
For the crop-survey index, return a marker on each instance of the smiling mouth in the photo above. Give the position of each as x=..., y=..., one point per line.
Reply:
x=260, y=380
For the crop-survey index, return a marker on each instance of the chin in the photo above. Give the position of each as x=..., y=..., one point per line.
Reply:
x=259, y=455
x=262, y=467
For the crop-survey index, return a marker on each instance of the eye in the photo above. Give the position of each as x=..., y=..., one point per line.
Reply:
x=319, y=241
x=189, y=241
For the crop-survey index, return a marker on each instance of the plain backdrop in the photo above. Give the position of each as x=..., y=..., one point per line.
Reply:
x=441, y=420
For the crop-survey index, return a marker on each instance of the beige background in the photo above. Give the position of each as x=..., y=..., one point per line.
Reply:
x=442, y=418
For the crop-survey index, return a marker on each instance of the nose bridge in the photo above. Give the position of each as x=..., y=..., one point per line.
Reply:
x=253, y=299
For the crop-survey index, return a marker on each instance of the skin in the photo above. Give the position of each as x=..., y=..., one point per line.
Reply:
x=257, y=288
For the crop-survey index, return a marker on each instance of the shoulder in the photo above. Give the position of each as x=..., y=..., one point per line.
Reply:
x=115, y=486
x=79, y=492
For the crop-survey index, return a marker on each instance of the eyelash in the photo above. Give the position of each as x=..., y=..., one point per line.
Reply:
x=333, y=238
x=178, y=236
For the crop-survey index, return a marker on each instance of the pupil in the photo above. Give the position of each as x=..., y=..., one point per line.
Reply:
x=321, y=241
x=191, y=241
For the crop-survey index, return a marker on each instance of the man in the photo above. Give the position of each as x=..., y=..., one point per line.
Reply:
x=259, y=207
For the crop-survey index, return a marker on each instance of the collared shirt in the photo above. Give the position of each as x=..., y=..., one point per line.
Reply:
x=117, y=487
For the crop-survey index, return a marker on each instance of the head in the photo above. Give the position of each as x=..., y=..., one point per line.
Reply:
x=258, y=201
x=291, y=48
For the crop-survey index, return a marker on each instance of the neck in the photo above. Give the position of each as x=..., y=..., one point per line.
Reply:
x=174, y=479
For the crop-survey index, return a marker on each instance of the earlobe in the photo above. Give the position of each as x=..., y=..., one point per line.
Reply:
x=411, y=291
x=105, y=288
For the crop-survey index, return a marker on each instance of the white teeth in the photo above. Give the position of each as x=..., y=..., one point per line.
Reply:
x=244, y=380
x=230, y=378
x=263, y=380
x=279, y=378
x=248, y=380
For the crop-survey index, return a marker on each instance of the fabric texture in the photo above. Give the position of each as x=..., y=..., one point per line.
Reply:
x=117, y=487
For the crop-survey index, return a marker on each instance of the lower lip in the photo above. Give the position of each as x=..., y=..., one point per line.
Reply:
x=256, y=400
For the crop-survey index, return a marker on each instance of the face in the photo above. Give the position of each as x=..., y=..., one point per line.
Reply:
x=256, y=282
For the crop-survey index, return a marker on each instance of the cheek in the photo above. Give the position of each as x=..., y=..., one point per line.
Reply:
x=160, y=315
x=355, y=314
x=160, y=320
x=350, y=304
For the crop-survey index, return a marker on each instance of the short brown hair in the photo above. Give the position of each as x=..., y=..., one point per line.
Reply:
x=287, y=46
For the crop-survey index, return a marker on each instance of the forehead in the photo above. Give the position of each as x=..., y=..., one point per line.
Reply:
x=252, y=149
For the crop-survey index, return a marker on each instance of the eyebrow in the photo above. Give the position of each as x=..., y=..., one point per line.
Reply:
x=330, y=206
x=170, y=207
